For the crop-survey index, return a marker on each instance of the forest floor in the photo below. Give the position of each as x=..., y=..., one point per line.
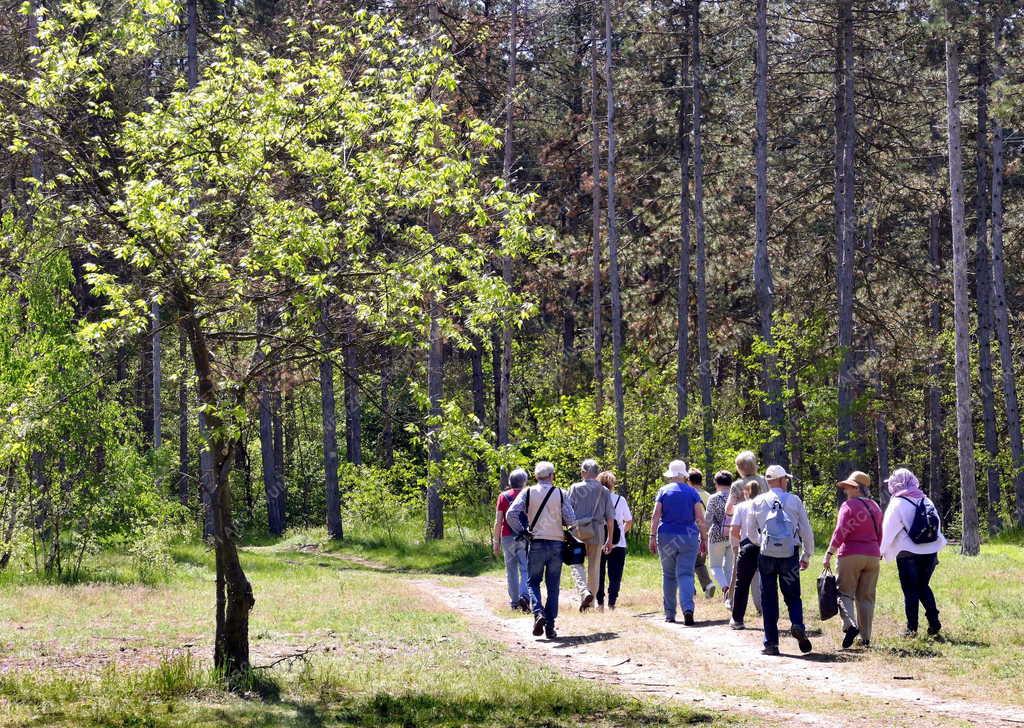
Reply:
x=365, y=635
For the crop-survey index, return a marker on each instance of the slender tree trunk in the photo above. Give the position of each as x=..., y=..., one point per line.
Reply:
x=595, y=200
x=496, y=374
x=775, y=450
x=881, y=430
x=157, y=384
x=330, y=432
x=999, y=307
x=191, y=46
x=279, y=455
x=435, y=362
x=703, y=345
x=192, y=76
x=983, y=285
x=183, y=460
x=275, y=524
x=683, y=282
x=388, y=427
x=435, y=373
x=846, y=244
x=506, y=261
x=476, y=364
x=353, y=407
x=613, y=252
x=572, y=296
x=961, y=303
x=234, y=592
x=936, y=369
x=207, y=480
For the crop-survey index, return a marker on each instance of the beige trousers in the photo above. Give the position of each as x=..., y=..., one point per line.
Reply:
x=586, y=577
x=857, y=578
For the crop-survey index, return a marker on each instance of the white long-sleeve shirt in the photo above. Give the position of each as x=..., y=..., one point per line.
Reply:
x=761, y=507
x=895, y=526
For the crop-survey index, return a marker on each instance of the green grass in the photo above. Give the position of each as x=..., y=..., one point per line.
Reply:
x=381, y=656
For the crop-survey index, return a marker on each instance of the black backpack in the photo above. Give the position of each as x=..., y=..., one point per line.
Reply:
x=925, y=526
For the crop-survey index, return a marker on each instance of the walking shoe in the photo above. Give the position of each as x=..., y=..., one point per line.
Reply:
x=550, y=633
x=588, y=599
x=538, y=625
x=864, y=642
x=670, y=620
x=848, y=637
x=524, y=605
x=709, y=591
x=688, y=619
x=801, y=639
x=611, y=607
x=736, y=625
x=770, y=650
x=933, y=629
x=909, y=633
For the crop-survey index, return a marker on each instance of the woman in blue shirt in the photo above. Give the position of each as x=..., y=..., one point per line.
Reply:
x=678, y=535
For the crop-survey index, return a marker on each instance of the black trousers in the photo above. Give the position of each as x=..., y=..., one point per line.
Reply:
x=915, y=573
x=614, y=563
x=746, y=568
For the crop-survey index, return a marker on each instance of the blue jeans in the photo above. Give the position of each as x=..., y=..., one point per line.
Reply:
x=776, y=574
x=516, y=573
x=678, y=554
x=545, y=562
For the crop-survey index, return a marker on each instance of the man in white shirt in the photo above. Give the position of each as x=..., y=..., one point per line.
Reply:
x=779, y=520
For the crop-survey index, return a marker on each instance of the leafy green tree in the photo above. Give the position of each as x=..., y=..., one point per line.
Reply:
x=255, y=195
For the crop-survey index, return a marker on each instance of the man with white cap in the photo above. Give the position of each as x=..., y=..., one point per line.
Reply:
x=787, y=544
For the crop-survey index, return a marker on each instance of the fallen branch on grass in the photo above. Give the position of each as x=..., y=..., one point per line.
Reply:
x=301, y=655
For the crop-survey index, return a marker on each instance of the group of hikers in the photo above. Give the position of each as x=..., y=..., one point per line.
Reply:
x=753, y=533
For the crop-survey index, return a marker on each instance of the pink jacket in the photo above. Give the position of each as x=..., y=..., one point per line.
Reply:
x=858, y=529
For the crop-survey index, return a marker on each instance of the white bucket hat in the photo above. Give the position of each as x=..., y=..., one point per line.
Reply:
x=677, y=469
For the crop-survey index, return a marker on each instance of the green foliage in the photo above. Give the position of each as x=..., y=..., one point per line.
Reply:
x=75, y=473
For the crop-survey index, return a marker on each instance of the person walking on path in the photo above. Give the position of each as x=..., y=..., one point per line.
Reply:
x=856, y=541
x=540, y=513
x=511, y=548
x=746, y=545
x=614, y=562
x=595, y=520
x=746, y=468
x=787, y=544
x=678, y=535
x=912, y=536
x=719, y=548
x=707, y=585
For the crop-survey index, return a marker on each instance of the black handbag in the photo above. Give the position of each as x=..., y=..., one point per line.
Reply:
x=828, y=595
x=616, y=531
x=574, y=551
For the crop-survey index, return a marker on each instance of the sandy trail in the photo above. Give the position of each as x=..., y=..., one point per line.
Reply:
x=642, y=655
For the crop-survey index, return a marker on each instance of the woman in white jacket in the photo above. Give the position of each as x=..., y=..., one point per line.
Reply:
x=914, y=546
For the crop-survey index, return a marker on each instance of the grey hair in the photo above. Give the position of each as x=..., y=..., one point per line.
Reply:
x=517, y=478
x=543, y=470
x=748, y=459
x=590, y=467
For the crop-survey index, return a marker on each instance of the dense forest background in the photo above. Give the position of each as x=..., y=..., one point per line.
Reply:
x=273, y=264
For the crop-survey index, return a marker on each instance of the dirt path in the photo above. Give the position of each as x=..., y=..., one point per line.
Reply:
x=582, y=657
x=644, y=656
